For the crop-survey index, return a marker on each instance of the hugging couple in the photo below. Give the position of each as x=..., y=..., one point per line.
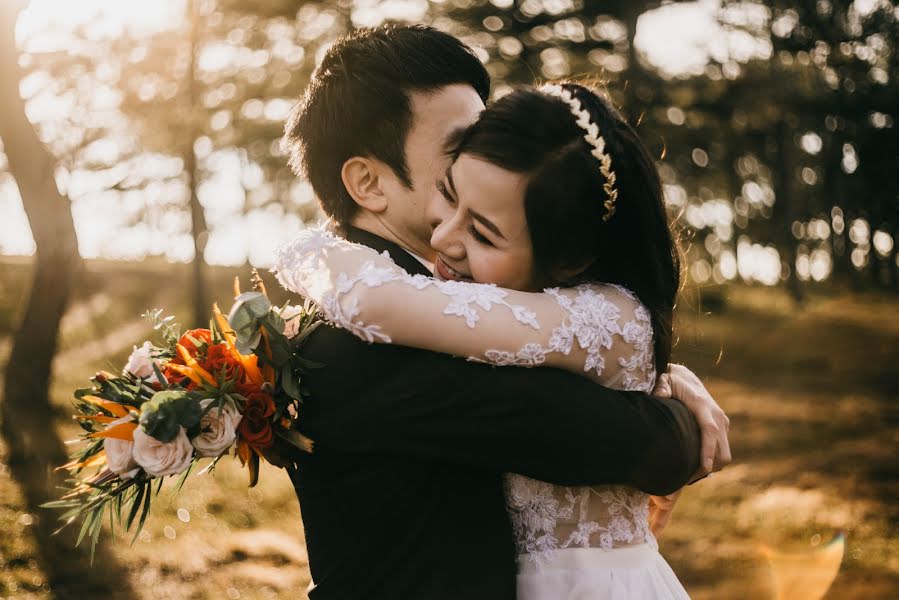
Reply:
x=464, y=242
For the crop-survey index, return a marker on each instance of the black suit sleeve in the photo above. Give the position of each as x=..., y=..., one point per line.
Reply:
x=544, y=423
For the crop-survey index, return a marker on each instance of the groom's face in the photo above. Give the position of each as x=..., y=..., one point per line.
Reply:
x=438, y=117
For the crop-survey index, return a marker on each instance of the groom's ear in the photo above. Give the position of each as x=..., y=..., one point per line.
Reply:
x=362, y=178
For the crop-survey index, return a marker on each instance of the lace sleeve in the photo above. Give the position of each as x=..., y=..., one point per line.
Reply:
x=600, y=331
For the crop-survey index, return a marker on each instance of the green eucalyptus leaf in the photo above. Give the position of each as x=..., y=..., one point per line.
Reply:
x=281, y=349
x=290, y=384
x=249, y=309
x=159, y=424
x=167, y=411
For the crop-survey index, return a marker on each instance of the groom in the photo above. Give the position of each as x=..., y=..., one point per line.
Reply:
x=403, y=498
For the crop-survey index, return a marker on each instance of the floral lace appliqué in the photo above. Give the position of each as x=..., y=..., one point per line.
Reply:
x=592, y=323
x=546, y=518
x=299, y=268
x=640, y=367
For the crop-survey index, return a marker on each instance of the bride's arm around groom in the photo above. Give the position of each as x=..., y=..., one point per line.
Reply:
x=545, y=423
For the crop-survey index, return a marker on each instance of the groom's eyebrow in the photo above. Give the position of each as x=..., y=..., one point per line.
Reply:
x=449, y=180
x=452, y=141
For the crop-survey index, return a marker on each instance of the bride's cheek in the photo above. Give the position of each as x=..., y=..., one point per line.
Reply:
x=494, y=267
x=482, y=270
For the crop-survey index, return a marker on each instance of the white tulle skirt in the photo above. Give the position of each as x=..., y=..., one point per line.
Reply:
x=632, y=573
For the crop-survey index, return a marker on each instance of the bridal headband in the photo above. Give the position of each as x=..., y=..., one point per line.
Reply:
x=594, y=139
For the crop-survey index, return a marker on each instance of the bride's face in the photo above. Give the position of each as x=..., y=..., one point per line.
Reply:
x=480, y=229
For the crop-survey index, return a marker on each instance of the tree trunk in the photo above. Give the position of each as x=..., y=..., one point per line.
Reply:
x=200, y=300
x=786, y=209
x=893, y=262
x=28, y=425
x=198, y=229
x=633, y=106
x=840, y=244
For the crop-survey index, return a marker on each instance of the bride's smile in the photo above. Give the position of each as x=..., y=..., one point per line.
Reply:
x=447, y=273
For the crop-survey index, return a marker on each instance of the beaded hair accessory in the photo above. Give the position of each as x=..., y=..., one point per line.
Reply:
x=594, y=139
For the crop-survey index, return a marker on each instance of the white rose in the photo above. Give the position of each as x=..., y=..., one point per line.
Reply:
x=222, y=428
x=119, y=453
x=291, y=325
x=140, y=364
x=158, y=458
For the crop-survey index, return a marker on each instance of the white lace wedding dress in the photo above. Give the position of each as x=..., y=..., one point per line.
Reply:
x=574, y=542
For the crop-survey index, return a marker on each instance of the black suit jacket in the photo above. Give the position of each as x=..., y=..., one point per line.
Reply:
x=403, y=496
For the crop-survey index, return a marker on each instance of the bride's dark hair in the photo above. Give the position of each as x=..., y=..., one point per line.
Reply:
x=531, y=132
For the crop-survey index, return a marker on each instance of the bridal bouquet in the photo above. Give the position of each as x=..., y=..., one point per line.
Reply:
x=199, y=395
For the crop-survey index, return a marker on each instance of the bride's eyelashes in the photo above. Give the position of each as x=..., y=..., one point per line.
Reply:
x=478, y=236
x=441, y=187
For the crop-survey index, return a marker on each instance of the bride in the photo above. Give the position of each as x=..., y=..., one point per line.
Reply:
x=549, y=190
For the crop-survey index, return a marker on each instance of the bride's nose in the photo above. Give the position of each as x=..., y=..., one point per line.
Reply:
x=446, y=240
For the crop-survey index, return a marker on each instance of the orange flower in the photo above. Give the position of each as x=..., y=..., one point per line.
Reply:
x=219, y=359
x=197, y=372
x=173, y=376
x=200, y=335
x=176, y=376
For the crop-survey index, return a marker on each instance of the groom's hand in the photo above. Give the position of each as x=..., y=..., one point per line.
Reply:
x=682, y=384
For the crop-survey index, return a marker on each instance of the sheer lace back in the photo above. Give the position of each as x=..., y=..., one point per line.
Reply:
x=601, y=331
x=546, y=517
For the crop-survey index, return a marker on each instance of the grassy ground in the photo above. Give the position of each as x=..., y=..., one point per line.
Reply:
x=815, y=432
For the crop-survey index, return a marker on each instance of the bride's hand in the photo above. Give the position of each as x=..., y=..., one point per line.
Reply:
x=682, y=384
x=660, y=509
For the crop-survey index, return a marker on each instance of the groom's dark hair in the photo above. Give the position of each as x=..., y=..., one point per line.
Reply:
x=357, y=103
